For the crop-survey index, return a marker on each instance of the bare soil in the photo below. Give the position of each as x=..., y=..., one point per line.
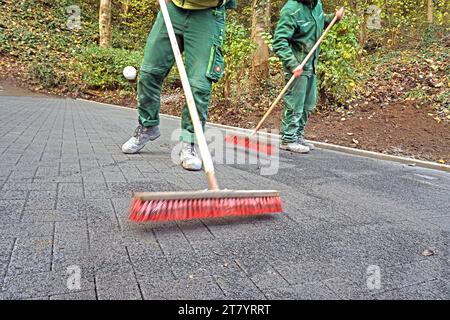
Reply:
x=402, y=129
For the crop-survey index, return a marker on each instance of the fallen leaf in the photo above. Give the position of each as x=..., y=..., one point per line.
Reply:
x=428, y=253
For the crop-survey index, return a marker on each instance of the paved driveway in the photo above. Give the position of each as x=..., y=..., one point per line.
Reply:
x=352, y=227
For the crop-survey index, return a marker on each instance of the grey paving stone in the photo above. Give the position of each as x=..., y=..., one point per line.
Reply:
x=98, y=193
x=195, y=230
x=196, y=288
x=28, y=285
x=350, y=290
x=170, y=238
x=430, y=290
x=305, y=272
x=36, y=298
x=6, y=248
x=81, y=257
x=10, y=210
x=307, y=291
x=13, y=195
x=18, y=175
x=189, y=264
x=120, y=285
x=81, y=295
x=114, y=177
x=413, y=273
x=45, y=172
x=269, y=279
x=26, y=229
x=31, y=255
x=38, y=216
x=73, y=167
x=442, y=222
x=70, y=190
x=236, y=286
x=70, y=227
x=41, y=200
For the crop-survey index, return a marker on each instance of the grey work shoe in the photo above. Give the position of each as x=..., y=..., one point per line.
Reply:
x=294, y=147
x=189, y=158
x=141, y=136
x=302, y=141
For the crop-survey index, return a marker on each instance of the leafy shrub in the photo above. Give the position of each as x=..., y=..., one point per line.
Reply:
x=338, y=67
x=5, y=46
x=45, y=70
x=133, y=21
x=101, y=68
x=237, y=50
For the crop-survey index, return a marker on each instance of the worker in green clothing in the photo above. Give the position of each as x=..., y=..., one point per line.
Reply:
x=301, y=24
x=199, y=26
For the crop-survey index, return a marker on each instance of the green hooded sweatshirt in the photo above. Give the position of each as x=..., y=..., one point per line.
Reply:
x=301, y=24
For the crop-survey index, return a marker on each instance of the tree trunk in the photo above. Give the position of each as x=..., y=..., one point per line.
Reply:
x=260, y=25
x=126, y=6
x=125, y=10
x=105, y=23
x=430, y=11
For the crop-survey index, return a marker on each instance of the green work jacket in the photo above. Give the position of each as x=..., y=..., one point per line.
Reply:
x=299, y=27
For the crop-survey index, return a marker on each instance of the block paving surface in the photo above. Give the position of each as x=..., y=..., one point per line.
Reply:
x=352, y=227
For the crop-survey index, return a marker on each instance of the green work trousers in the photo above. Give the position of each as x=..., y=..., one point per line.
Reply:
x=299, y=102
x=200, y=34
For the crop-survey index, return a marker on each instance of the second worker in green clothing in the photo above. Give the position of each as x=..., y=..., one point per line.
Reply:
x=301, y=24
x=199, y=27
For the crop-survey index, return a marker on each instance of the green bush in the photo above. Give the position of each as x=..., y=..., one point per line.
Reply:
x=338, y=67
x=5, y=46
x=101, y=68
x=237, y=50
x=45, y=69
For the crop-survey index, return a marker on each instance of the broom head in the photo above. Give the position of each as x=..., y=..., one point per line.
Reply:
x=165, y=206
x=249, y=143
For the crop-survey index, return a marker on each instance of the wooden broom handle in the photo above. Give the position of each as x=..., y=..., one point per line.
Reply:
x=300, y=67
x=201, y=140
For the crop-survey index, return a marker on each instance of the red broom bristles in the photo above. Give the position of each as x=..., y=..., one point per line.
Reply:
x=249, y=144
x=186, y=209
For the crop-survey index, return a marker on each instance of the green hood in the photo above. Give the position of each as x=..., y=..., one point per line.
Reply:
x=313, y=3
x=299, y=27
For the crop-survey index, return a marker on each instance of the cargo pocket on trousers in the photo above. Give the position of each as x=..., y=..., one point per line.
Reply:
x=216, y=64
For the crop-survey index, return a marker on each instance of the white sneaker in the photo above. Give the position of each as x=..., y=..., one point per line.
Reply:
x=141, y=136
x=302, y=141
x=295, y=147
x=189, y=158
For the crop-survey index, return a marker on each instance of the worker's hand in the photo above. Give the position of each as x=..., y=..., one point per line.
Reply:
x=340, y=13
x=297, y=72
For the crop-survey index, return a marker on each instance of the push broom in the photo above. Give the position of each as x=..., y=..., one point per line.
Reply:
x=246, y=141
x=211, y=203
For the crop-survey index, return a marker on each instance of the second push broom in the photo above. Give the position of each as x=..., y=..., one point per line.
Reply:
x=246, y=141
x=211, y=203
